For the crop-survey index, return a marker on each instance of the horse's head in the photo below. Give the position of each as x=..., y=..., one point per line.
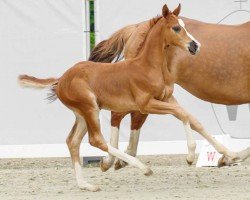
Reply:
x=175, y=32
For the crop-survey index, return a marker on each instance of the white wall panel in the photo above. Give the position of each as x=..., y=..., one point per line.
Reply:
x=41, y=38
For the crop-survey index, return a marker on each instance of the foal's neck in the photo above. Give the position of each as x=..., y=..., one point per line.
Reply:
x=153, y=53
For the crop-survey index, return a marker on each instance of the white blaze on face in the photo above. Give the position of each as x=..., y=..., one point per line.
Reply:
x=188, y=34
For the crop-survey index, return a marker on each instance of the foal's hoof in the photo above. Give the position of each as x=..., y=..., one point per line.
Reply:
x=222, y=162
x=225, y=161
x=190, y=160
x=120, y=164
x=148, y=172
x=104, y=167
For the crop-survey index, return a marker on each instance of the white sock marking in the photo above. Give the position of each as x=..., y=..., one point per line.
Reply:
x=127, y=158
x=133, y=142
x=114, y=137
x=191, y=143
x=114, y=140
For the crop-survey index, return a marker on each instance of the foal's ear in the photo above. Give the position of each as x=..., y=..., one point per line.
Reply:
x=177, y=11
x=165, y=11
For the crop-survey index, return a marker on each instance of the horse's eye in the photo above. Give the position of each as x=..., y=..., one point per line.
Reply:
x=176, y=29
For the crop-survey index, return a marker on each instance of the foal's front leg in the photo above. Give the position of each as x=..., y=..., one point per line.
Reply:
x=137, y=120
x=241, y=156
x=158, y=107
x=191, y=143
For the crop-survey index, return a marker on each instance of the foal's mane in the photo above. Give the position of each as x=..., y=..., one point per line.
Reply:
x=107, y=50
x=143, y=35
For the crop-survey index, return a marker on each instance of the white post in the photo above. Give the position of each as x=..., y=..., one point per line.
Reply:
x=87, y=28
x=96, y=13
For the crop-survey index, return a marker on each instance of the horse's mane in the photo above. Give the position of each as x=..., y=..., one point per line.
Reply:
x=108, y=50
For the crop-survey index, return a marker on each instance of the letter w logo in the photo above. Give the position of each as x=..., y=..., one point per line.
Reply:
x=210, y=156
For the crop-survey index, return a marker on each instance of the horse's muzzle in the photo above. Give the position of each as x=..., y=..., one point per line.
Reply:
x=193, y=47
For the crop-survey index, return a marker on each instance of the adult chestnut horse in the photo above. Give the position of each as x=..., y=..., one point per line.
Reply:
x=137, y=84
x=219, y=74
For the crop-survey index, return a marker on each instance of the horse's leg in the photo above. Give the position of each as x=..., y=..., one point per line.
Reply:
x=96, y=139
x=191, y=143
x=116, y=118
x=159, y=107
x=137, y=120
x=241, y=156
x=73, y=141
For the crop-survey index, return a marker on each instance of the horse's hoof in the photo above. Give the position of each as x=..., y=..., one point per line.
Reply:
x=148, y=172
x=120, y=164
x=104, y=167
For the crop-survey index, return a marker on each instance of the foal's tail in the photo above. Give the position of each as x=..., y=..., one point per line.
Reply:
x=30, y=81
x=107, y=50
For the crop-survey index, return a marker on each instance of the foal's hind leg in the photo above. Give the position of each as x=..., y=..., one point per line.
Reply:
x=116, y=118
x=96, y=139
x=137, y=120
x=73, y=141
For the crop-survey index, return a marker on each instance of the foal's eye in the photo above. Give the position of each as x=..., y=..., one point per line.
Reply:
x=176, y=29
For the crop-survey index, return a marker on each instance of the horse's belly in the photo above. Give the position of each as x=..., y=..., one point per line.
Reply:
x=217, y=80
x=229, y=94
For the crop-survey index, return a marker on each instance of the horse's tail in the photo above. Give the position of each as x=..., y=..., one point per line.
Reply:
x=107, y=50
x=30, y=81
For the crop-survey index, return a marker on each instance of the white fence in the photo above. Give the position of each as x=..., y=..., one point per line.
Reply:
x=44, y=38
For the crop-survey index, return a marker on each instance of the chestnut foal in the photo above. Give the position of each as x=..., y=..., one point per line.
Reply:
x=137, y=84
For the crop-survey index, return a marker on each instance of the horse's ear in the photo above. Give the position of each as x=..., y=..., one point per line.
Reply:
x=165, y=11
x=177, y=11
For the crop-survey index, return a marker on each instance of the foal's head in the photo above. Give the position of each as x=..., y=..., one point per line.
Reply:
x=175, y=32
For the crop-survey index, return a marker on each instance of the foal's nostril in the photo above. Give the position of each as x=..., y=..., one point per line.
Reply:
x=193, y=45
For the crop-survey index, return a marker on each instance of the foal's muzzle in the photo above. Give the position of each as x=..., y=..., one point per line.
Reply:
x=193, y=47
